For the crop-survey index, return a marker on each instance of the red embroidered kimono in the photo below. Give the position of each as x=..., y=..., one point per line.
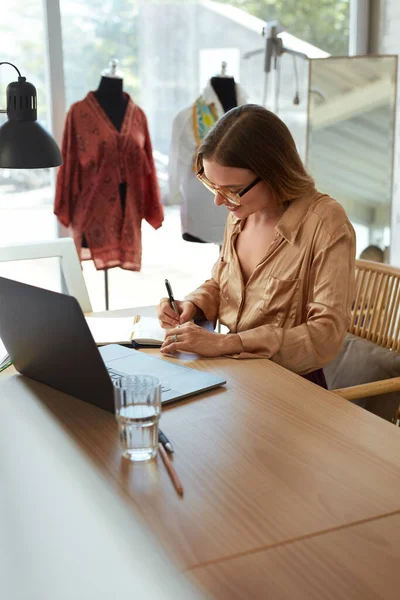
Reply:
x=97, y=158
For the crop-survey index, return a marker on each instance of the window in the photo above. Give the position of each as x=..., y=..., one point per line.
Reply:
x=167, y=49
x=322, y=24
x=26, y=196
x=164, y=69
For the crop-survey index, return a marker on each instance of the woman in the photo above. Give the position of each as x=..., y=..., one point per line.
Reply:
x=283, y=284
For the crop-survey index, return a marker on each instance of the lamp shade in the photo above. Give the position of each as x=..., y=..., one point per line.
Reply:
x=26, y=145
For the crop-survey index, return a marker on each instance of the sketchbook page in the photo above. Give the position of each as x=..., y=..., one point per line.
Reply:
x=148, y=331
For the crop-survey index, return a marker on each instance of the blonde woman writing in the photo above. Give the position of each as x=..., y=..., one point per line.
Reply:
x=283, y=284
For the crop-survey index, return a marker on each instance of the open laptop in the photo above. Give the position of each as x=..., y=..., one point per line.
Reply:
x=48, y=339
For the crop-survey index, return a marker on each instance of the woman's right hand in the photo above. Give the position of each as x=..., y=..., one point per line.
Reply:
x=168, y=317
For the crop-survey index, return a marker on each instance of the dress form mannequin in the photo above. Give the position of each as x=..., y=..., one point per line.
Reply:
x=110, y=96
x=225, y=88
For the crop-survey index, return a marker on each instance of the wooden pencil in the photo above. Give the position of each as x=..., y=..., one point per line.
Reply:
x=170, y=468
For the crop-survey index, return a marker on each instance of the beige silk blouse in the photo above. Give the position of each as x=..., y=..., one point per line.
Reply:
x=295, y=307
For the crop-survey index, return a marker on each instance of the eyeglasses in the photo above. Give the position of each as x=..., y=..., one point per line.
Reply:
x=232, y=197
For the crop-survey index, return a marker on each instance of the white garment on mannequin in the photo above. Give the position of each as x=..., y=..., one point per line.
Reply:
x=200, y=217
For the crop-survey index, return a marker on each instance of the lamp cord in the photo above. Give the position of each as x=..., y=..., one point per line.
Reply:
x=11, y=65
x=2, y=111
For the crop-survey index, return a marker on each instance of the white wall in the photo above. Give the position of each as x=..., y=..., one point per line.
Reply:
x=390, y=44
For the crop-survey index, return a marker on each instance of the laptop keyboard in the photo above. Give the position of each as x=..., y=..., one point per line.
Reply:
x=116, y=376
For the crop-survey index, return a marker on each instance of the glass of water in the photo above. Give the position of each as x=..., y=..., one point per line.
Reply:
x=137, y=409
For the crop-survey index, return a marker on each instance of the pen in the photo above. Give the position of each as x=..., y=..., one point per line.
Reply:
x=171, y=471
x=171, y=296
x=162, y=438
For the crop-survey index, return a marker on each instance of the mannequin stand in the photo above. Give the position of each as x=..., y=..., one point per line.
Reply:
x=106, y=289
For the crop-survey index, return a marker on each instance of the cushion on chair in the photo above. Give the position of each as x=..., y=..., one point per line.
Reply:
x=361, y=361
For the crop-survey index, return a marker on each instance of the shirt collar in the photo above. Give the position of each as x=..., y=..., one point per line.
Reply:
x=290, y=222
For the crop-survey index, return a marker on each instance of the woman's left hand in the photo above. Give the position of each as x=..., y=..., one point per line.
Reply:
x=192, y=338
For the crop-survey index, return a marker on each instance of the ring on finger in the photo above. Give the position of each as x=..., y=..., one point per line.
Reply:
x=175, y=337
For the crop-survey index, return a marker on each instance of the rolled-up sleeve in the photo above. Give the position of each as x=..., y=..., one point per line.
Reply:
x=314, y=343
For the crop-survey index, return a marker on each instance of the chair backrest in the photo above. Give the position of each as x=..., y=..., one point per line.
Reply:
x=375, y=311
x=65, y=250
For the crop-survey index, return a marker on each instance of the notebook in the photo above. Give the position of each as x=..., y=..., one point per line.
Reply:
x=138, y=331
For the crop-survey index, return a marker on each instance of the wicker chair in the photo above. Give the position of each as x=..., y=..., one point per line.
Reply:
x=376, y=317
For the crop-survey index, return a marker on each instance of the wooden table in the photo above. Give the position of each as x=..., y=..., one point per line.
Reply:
x=290, y=491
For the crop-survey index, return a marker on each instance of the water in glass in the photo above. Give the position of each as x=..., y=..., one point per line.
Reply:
x=137, y=410
x=138, y=431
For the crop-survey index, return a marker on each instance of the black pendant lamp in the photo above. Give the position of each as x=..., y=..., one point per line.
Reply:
x=24, y=144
